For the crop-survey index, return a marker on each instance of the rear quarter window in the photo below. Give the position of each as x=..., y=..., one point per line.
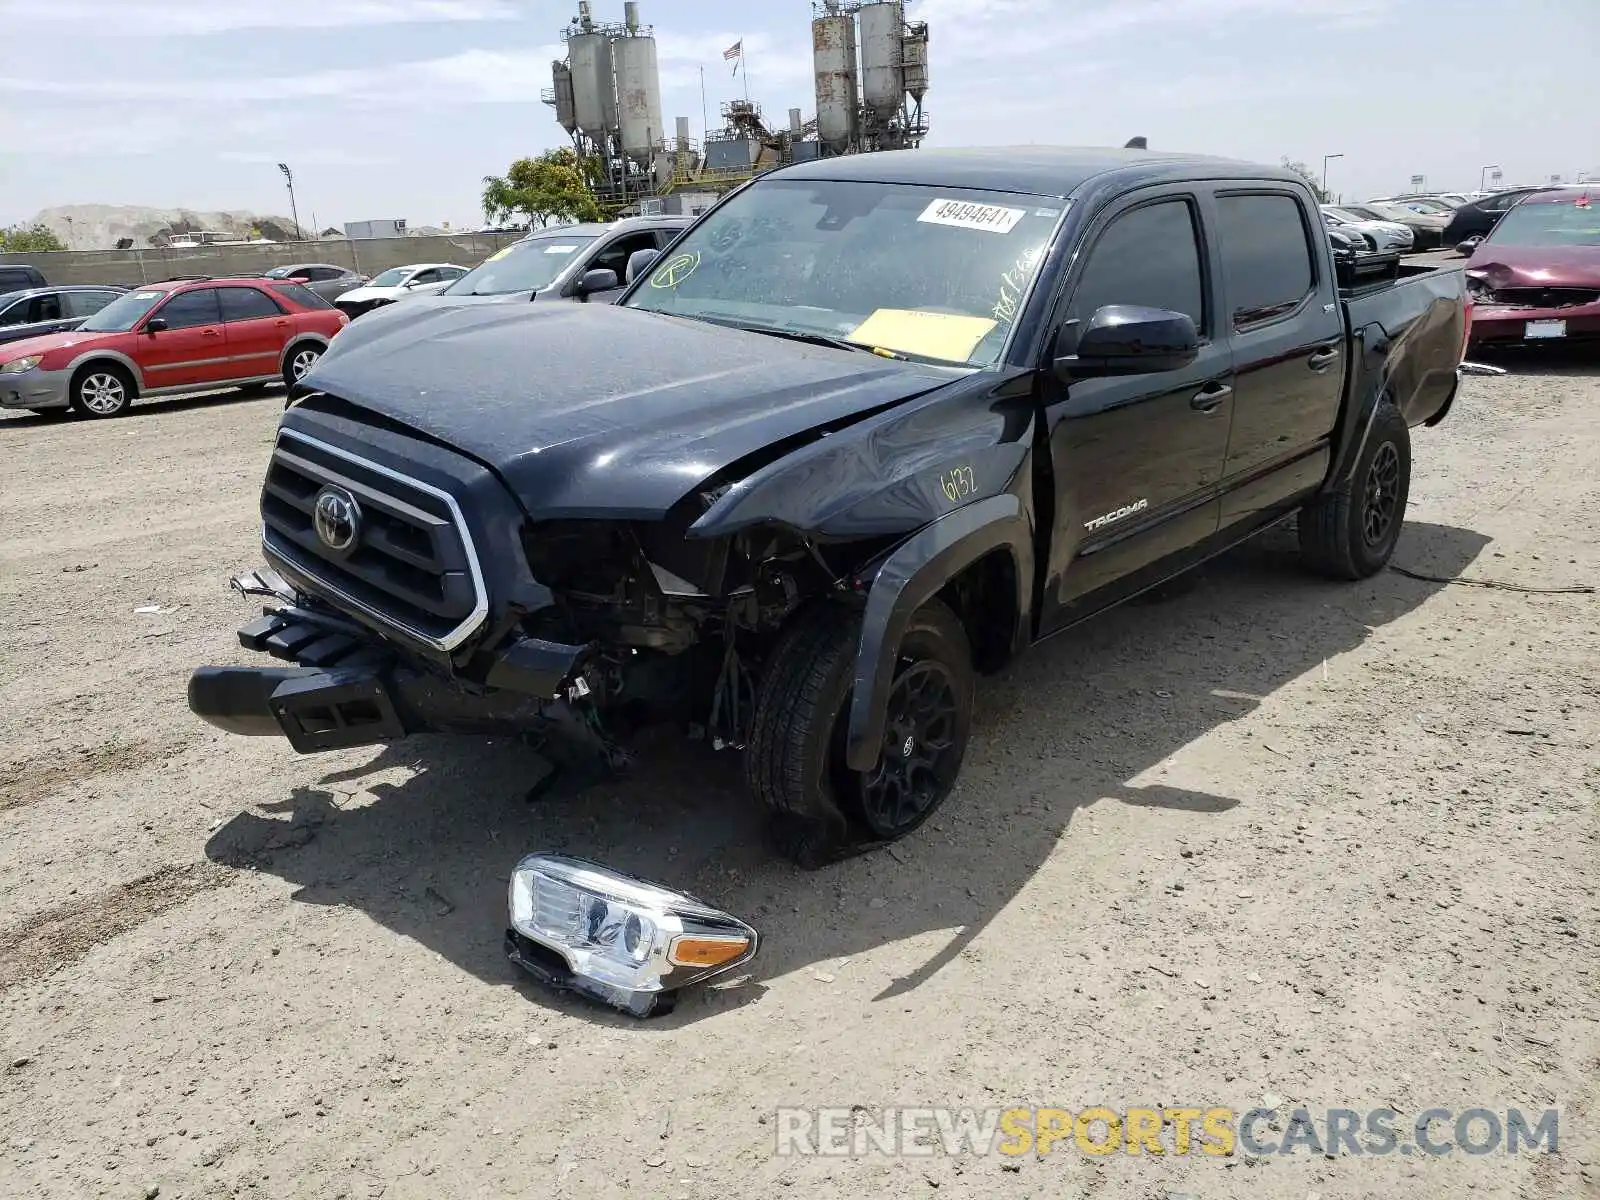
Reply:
x=302, y=296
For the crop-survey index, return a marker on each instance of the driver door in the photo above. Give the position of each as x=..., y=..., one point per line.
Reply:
x=1137, y=458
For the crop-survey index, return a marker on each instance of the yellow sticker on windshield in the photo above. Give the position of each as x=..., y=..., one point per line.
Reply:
x=930, y=334
x=498, y=254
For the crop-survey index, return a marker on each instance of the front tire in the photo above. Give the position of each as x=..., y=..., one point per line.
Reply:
x=795, y=763
x=1350, y=533
x=102, y=390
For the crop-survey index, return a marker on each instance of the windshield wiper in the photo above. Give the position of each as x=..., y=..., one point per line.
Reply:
x=815, y=339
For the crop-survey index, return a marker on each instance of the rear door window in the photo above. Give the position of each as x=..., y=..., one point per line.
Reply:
x=247, y=304
x=86, y=304
x=302, y=296
x=1266, y=256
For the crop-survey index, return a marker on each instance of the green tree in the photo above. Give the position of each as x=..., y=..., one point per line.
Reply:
x=1310, y=176
x=36, y=239
x=548, y=188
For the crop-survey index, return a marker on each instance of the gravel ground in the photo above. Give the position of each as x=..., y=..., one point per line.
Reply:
x=1261, y=838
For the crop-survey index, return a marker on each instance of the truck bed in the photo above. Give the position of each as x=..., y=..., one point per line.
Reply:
x=1406, y=336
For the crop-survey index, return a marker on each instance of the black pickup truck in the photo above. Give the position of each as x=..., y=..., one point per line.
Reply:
x=872, y=425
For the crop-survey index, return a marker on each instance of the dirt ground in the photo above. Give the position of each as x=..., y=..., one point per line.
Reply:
x=1266, y=838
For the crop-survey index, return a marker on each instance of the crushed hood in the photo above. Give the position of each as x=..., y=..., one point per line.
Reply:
x=1536, y=266
x=595, y=410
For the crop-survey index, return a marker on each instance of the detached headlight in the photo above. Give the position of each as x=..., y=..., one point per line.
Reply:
x=18, y=365
x=625, y=941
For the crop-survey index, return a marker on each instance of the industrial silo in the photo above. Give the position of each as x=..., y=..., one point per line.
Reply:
x=833, y=53
x=882, y=33
x=914, y=61
x=633, y=57
x=594, y=104
x=566, y=114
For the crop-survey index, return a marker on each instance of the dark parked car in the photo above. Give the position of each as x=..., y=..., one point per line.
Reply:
x=872, y=424
x=325, y=279
x=1536, y=277
x=1479, y=217
x=559, y=263
x=15, y=278
x=51, y=309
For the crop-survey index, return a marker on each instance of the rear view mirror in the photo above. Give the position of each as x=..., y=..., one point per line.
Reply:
x=639, y=262
x=1127, y=339
x=598, y=280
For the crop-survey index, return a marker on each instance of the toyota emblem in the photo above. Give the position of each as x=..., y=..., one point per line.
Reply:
x=337, y=519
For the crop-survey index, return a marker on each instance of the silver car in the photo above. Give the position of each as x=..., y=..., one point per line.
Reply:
x=38, y=311
x=1384, y=235
x=560, y=263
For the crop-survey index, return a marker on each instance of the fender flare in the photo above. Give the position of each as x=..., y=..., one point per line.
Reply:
x=909, y=577
x=108, y=355
x=297, y=339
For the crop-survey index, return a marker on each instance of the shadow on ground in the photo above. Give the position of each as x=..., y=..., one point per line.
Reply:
x=1068, y=726
x=1576, y=360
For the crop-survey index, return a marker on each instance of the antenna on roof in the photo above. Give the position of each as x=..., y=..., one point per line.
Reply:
x=1138, y=143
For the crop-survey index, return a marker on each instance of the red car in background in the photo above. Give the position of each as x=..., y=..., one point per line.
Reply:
x=179, y=336
x=1535, y=279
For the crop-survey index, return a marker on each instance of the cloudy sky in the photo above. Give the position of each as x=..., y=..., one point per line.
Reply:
x=397, y=108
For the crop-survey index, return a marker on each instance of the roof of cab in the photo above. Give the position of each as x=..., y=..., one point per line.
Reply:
x=1029, y=170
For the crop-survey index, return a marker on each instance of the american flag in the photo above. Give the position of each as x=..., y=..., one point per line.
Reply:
x=734, y=51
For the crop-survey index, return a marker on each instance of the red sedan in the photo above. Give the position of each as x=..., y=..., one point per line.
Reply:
x=1536, y=277
x=180, y=336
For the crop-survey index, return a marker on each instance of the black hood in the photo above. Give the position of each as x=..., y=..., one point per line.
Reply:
x=595, y=410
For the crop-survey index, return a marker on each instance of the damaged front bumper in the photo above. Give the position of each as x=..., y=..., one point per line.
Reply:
x=347, y=687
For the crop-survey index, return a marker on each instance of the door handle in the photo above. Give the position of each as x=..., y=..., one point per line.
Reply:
x=1323, y=359
x=209, y=333
x=1209, y=397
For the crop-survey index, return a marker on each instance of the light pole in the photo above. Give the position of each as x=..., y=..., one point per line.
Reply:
x=1326, y=159
x=1483, y=173
x=288, y=176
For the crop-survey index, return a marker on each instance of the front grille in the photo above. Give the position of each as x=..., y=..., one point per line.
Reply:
x=413, y=565
x=1545, y=297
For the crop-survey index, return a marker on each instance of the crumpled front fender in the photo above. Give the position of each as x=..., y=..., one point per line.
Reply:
x=912, y=575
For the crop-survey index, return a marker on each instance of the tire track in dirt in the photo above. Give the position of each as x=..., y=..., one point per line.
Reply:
x=62, y=935
x=31, y=779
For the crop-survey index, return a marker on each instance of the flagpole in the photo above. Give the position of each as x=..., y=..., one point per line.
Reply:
x=745, y=64
x=705, y=111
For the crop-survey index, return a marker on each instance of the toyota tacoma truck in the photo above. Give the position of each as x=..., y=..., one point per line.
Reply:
x=872, y=426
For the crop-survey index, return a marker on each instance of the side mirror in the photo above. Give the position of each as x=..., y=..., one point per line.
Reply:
x=638, y=263
x=1467, y=247
x=155, y=324
x=598, y=280
x=1127, y=339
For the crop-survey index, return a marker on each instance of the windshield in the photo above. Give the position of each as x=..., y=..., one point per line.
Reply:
x=279, y=272
x=1566, y=223
x=123, y=313
x=1340, y=214
x=520, y=267
x=393, y=277
x=936, y=274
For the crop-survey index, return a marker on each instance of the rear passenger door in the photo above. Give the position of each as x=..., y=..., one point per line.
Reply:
x=1138, y=458
x=1288, y=336
x=258, y=331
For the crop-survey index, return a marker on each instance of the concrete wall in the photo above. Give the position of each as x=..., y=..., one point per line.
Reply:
x=130, y=268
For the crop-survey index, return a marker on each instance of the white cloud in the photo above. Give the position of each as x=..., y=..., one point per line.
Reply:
x=174, y=18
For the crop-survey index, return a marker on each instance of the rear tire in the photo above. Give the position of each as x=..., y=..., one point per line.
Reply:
x=795, y=763
x=301, y=358
x=102, y=390
x=1350, y=533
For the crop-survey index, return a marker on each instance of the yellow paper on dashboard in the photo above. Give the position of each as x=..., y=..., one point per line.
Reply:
x=930, y=334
